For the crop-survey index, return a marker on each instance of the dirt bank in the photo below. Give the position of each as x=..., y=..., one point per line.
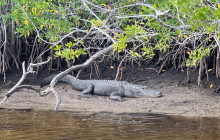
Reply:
x=179, y=97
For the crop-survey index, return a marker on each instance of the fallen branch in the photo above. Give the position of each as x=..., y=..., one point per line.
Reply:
x=18, y=85
x=76, y=67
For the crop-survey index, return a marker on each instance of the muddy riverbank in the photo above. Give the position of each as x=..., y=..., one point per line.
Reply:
x=179, y=97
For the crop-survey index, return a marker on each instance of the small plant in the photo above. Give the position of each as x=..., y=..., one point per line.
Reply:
x=68, y=52
x=195, y=56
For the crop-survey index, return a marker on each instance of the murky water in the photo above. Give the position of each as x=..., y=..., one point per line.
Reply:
x=32, y=124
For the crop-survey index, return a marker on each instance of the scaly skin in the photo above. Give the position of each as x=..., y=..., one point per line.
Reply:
x=115, y=89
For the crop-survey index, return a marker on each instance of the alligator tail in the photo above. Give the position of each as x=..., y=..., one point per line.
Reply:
x=67, y=78
x=47, y=80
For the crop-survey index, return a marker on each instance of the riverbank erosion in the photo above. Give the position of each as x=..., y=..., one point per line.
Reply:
x=179, y=97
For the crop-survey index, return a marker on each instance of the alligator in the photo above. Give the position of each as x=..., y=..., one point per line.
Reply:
x=115, y=89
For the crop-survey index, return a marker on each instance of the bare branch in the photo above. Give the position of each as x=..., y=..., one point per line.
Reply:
x=158, y=14
x=179, y=16
x=136, y=16
x=31, y=65
x=18, y=85
x=76, y=67
x=182, y=27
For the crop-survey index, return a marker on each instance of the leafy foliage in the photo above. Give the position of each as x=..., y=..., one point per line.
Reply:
x=197, y=55
x=156, y=27
x=68, y=52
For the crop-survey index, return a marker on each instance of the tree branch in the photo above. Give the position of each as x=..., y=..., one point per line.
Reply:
x=18, y=85
x=182, y=27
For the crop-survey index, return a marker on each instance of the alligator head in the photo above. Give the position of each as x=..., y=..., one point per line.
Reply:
x=141, y=91
x=146, y=92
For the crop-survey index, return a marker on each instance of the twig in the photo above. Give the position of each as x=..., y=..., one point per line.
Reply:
x=182, y=27
x=179, y=15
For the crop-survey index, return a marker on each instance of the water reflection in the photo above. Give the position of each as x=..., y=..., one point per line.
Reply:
x=32, y=124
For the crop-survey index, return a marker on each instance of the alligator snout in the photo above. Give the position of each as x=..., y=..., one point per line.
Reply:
x=158, y=94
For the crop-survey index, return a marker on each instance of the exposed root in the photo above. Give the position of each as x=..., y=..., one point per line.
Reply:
x=201, y=70
x=188, y=74
x=119, y=68
x=217, y=90
x=218, y=63
x=206, y=70
x=162, y=66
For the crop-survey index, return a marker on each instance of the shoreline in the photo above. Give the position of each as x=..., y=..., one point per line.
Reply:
x=179, y=97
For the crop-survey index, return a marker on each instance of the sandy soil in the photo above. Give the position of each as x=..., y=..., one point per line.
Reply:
x=179, y=97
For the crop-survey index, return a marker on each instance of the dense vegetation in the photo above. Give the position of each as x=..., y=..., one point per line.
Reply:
x=170, y=33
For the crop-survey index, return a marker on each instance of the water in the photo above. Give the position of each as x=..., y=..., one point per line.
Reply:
x=32, y=124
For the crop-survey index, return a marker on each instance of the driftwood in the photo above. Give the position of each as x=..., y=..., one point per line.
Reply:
x=18, y=85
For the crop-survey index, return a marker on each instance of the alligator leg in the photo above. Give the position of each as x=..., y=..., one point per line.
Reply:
x=86, y=92
x=116, y=96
